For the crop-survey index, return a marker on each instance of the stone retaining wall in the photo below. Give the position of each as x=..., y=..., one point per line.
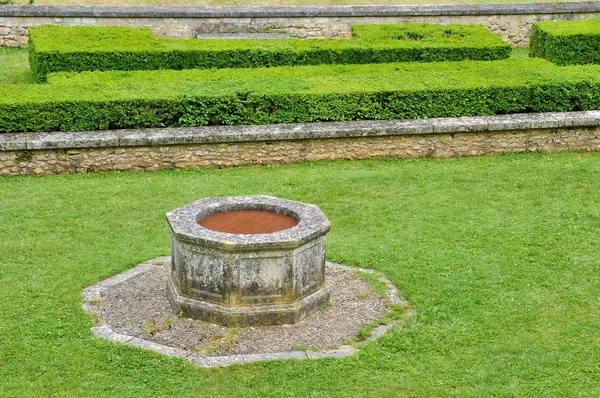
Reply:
x=155, y=149
x=511, y=21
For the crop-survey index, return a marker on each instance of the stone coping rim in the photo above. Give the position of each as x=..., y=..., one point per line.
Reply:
x=104, y=330
x=297, y=11
x=299, y=131
x=184, y=223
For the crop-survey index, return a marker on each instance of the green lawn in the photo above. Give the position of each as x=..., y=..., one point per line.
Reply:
x=498, y=255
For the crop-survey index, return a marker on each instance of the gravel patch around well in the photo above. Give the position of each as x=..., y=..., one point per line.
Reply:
x=138, y=307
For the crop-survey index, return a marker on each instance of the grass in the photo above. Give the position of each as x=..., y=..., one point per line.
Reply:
x=14, y=66
x=498, y=255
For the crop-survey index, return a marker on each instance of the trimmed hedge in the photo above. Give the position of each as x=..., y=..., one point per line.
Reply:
x=89, y=48
x=114, y=100
x=567, y=42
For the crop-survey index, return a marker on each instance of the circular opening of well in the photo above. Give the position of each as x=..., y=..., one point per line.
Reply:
x=248, y=222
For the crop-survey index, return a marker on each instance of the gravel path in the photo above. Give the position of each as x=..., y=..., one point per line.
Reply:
x=138, y=307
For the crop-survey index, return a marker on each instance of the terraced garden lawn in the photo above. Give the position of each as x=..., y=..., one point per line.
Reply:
x=498, y=255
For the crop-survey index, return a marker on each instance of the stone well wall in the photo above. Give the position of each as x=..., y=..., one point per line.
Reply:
x=511, y=21
x=148, y=150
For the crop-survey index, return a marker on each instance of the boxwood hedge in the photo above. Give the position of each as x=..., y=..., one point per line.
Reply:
x=567, y=42
x=89, y=48
x=121, y=99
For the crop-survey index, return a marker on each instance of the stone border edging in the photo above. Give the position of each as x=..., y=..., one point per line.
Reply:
x=299, y=11
x=104, y=331
x=300, y=131
x=184, y=223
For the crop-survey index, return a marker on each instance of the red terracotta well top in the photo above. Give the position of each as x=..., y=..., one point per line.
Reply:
x=248, y=222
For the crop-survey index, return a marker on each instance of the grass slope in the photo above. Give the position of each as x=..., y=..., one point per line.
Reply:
x=498, y=255
x=197, y=3
x=14, y=66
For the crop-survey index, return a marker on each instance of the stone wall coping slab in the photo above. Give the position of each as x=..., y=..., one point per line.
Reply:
x=304, y=11
x=72, y=140
x=300, y=131
x=13, y=142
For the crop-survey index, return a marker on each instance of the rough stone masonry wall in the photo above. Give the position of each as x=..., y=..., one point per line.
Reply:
x=149, y=150
x=511, y=21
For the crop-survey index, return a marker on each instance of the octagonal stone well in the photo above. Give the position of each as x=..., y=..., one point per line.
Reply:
x=273, y=272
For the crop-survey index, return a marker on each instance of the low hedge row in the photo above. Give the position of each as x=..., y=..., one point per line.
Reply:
x=114, y=100
x=89, y=48
x=567, y=42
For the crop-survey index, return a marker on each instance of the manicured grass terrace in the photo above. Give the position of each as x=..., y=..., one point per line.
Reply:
x=498, y=255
